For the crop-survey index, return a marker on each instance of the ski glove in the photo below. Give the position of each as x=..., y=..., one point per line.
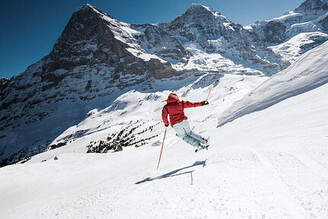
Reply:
x=205, y=102
x=167, y=125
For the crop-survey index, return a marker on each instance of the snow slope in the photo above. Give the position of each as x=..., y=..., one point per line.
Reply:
x=272, y=163
x=308, y=72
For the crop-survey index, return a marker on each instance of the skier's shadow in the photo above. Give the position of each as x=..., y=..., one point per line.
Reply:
x=174, y=172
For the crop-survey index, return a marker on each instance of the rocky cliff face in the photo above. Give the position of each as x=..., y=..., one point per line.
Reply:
x=97, y=58
x=92, y=38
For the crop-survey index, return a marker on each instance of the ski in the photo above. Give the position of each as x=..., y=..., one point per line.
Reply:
x=203, y=146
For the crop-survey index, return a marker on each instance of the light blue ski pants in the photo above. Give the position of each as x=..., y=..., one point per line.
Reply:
x=183, y=131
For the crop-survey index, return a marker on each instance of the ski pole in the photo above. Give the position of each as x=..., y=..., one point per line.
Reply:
x=209, y=92
x=160, y=155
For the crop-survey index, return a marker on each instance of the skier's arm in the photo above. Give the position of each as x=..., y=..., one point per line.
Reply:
x=164, y=116
x=188, y=104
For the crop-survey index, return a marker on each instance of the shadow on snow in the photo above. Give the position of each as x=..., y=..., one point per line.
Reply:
x=174, y=172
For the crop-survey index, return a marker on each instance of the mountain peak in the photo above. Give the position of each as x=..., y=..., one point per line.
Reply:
x=86, y=7
x=199, y=9
x=313, y=5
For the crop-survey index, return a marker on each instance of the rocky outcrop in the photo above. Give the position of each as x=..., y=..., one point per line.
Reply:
x=3, y=82
x=275, y=32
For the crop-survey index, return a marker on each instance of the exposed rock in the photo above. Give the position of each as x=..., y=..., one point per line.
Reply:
x=313, y=5
x=275, y=32
x=3, y=82
x=156, y=41
x=324, y=23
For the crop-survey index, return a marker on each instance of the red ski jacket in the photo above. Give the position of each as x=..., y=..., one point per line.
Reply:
x=174, y=108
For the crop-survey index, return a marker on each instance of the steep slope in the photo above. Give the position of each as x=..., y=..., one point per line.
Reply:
x=310, y=17
x=308, y=72
x=201, y=28
x=272, y=163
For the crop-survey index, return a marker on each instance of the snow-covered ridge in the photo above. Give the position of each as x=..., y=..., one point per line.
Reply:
x=307, y=73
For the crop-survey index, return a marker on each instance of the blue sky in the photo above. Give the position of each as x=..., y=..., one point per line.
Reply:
x=29, y=28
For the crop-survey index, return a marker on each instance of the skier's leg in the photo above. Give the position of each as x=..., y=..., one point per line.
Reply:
x=181, y=131
x=192, y=134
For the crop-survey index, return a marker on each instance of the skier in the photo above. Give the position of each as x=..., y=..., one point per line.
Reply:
x=174, y=108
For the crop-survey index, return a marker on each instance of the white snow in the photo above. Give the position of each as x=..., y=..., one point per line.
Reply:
x=270, y=164
x=291, y=50
x=215, y=62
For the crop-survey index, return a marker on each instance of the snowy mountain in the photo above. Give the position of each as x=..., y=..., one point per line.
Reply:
x=98, y=58
x=298, y=31
x=200, y=29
